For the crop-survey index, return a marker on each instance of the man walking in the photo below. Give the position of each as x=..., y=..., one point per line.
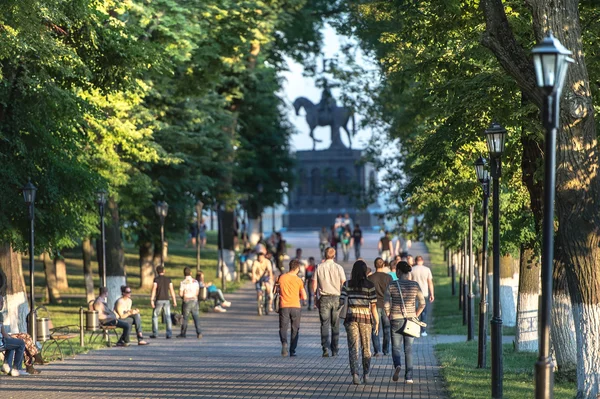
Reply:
x=385, y=247
x=291, y=291
x=422, y=275
x=327, y=286
x=162, y=290
x=381, y=280
x=188, y=291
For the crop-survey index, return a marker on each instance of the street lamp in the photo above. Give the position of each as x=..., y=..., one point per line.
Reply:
x=162, y=208
x=199, y=206
x=260, y=189
x=483, y=178
x=101, y=201
x=470, y=295
x=551, y=61
x=496, y=138
x=29, y=191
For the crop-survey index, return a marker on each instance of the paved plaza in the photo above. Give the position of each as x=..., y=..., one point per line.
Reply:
x=239, y=357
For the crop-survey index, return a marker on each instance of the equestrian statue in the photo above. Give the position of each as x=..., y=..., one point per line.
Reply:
x=327, y=113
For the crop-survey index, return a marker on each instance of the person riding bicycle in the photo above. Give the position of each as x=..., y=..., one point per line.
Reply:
x=262, y=272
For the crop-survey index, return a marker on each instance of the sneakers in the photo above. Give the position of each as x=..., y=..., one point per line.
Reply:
x=199, y=336
x=355, y=379
x=226, y=304
x=292, y=354
x=409, y=381
x=18, y=373
x=284, y=350
x=396, y=375
x=366, y=379
x=180, y=336
x=325, y=353
x=122, y=344
x=219, y=309
x=424, y=334
x=154, y=336
x=5, y=368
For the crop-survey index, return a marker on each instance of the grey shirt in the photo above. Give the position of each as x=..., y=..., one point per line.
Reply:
x=330, y=277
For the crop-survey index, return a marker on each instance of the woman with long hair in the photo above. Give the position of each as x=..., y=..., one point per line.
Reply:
x=360, y=317
x=400, y=304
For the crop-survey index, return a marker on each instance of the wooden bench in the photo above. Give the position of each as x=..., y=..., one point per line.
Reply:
x=56, y=337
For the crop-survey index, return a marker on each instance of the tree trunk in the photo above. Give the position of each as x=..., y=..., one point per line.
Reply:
x=52, y=292
x=60, y=268
x=146, y=265
x=156, y=254
x=88, y=277
x=577, y=207
x=508, y=290
x=527, y=301
x=17, y=308
x=253, y=230
x=564, y=344
x=115, y=256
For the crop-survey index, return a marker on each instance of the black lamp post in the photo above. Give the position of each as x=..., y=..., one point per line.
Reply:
x=484, y=179
x=29, y=191
x=470, y=295
x=496, y=137
x=199, y=205
x=162, y=209
x=551, y=61
x=101, y=201
x=260, y=190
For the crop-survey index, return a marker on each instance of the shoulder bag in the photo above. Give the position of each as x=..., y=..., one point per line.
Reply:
x=410, y=327
x=344, y=308
x=276, y=297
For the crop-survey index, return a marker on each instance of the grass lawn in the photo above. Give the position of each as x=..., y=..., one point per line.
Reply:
x=67, y=312
x=459, y=361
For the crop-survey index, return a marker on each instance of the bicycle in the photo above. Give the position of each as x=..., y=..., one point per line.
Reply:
x=263, y=299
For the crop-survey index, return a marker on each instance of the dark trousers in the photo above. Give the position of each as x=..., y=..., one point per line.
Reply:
x=357, y=250
x=328, y=314
x=384, y=328
x=136, y=321
x=190, y=307
x=289, y=316
x=397, y=340
x=121, y=324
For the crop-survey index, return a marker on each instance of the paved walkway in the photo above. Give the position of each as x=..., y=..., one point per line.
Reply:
x=239, y=357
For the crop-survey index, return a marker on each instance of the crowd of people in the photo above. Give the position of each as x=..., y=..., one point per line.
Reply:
x=343, y=233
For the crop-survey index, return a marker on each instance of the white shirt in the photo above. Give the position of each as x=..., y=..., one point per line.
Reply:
x=420, y=274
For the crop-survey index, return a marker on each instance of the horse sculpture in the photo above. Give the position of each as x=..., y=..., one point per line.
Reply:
x=333, y=116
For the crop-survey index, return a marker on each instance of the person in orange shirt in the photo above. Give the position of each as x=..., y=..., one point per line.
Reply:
x=291, y=291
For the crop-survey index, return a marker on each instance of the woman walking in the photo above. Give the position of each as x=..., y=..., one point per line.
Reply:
x=360, y=316
x=400, y=304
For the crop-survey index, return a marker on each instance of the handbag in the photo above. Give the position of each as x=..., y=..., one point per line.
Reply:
x=410, y=328
x=344, y=308
x=276, y=297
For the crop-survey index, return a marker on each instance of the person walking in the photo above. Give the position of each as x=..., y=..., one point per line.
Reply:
x=357, y=240
x=162, y=291
x=291, y=292
x=346, y=240
x=188, y=291
x=310, y=273
x=381, y=280
x=422, y=275
x=324, y=240
x=385, y=247
x=327, y=286
x=361, y=318
x=400, y=304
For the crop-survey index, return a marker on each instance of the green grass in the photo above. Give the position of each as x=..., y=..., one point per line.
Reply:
x=67, y=312
x=465, y=381
x=447, y=317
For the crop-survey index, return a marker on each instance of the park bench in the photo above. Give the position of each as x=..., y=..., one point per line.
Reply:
x=97, y=329
x=53, y=338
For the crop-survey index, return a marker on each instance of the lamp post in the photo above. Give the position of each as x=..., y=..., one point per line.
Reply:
x=29, y=191
x=465, y=289
x=101, y=201
x=260, y=189
x=199, y=205
x=496, y=137
x=470, y=295
x=162, y=208
x=551, y=61
x=221, y=264
x=484, y=179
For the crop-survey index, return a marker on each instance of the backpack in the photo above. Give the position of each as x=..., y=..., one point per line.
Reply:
x=176, y=318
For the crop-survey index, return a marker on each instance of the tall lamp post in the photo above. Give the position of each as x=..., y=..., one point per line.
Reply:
x=162, y=208
x=260, y=190
x=496, y=137
x=199, y=206
x=470, y=295
x=483, y=178
x=29, y=191
x=101, y=201
x=551, y=61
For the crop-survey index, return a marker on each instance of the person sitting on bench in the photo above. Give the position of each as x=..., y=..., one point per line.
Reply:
x=214, y=293
x=108, y=318
x=126, y=313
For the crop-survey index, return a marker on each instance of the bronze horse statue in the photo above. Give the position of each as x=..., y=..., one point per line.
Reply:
x=335, y=117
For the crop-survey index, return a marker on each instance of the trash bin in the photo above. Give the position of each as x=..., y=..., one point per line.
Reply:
x=92, y=322
x=43, y=329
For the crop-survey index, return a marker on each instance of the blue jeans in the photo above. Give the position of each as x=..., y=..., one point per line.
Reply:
x=357, y=250
x=328, y=314
x=346, y=251
x=384, y=325
x=397, y=339
x=190, y=307
x=14, y=351
x=423, y=316
x=158, y=306
x=121, y=324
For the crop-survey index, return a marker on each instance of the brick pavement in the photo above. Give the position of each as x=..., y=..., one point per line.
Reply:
x=239, y=357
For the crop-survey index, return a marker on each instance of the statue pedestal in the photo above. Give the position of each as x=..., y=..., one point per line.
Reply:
x=330, y=182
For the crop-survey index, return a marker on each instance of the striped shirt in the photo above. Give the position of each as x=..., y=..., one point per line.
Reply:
x=359, y=302
x=411, y=293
